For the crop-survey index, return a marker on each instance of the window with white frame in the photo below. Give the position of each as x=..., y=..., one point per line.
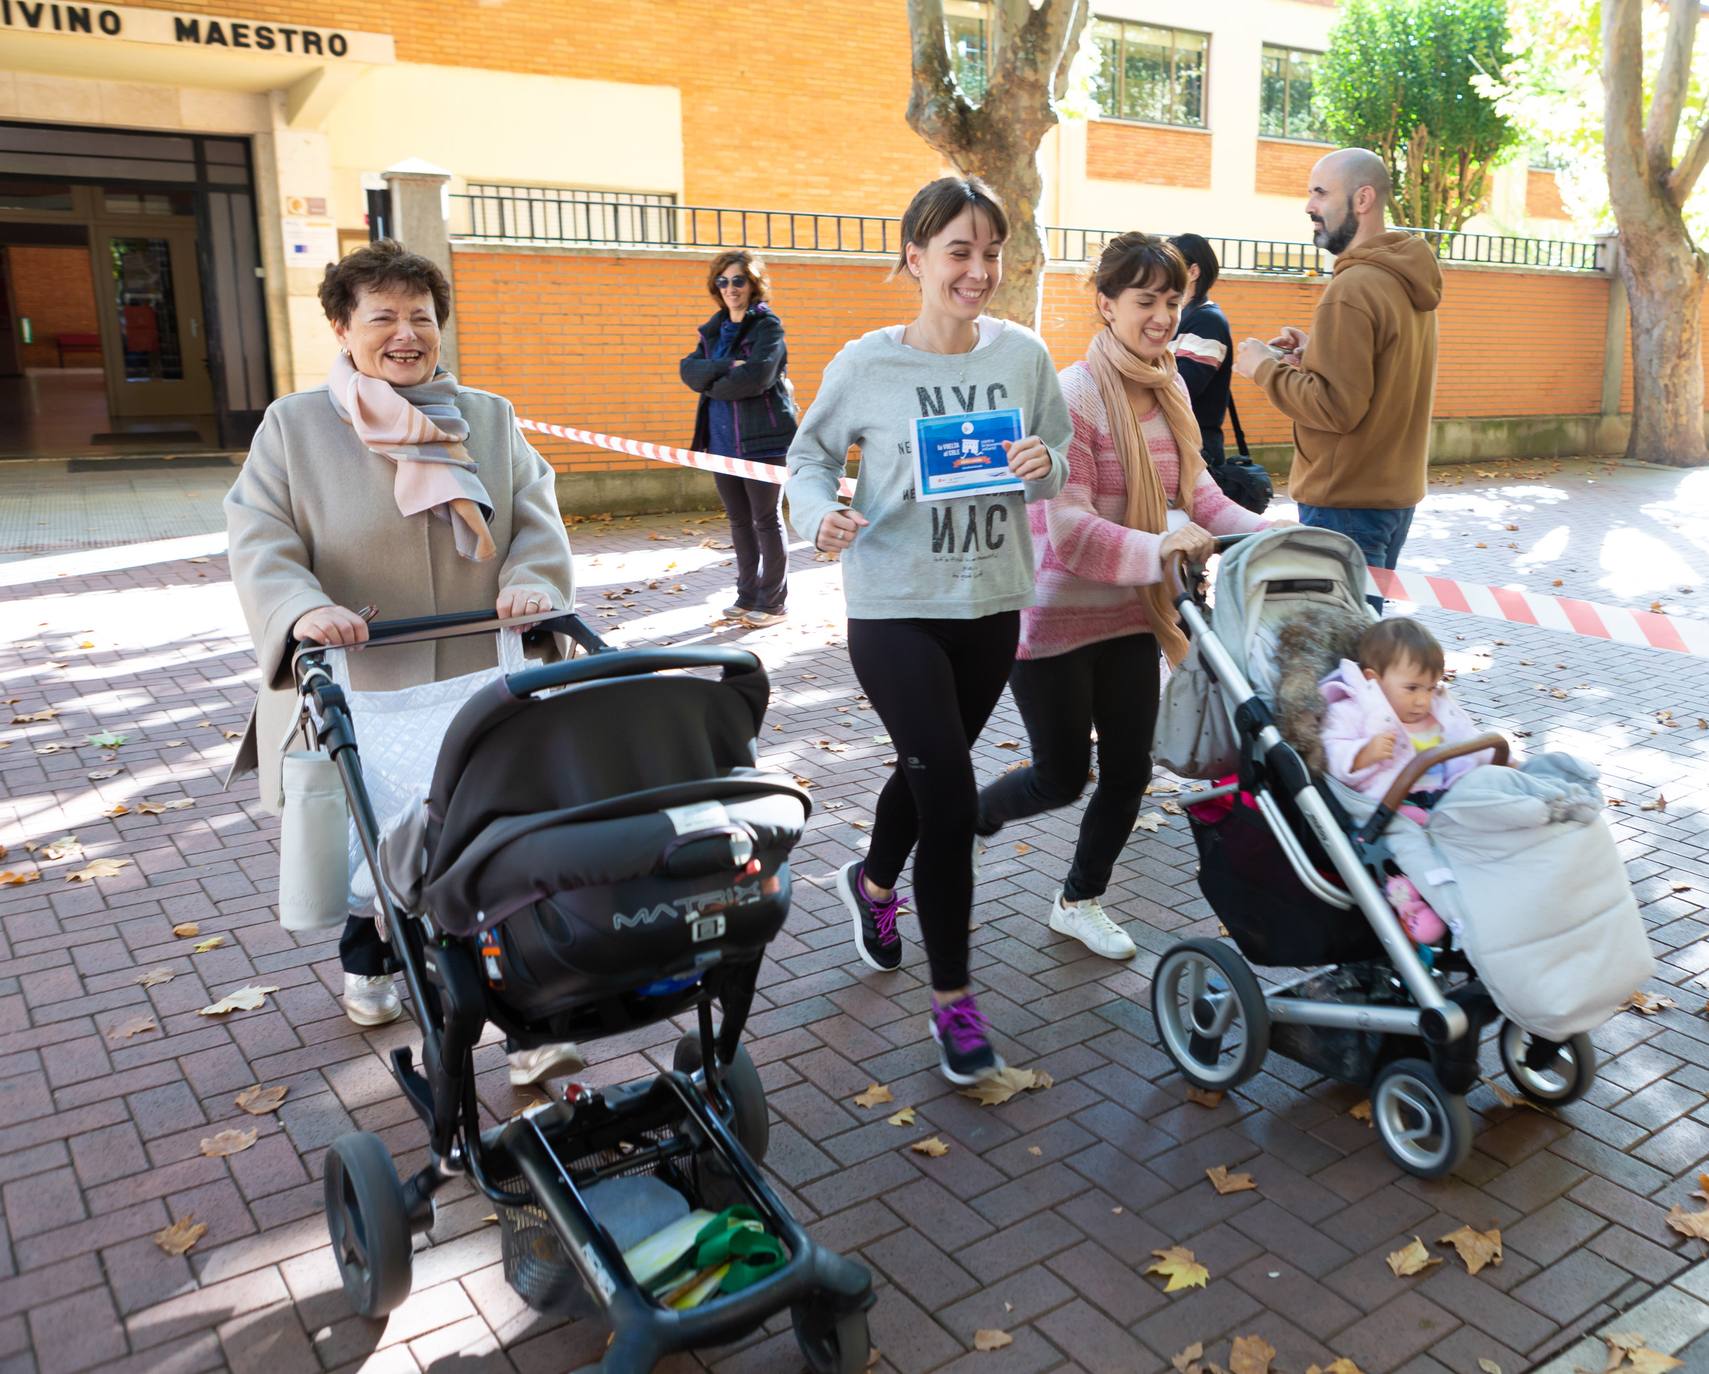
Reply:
x=1150, y=73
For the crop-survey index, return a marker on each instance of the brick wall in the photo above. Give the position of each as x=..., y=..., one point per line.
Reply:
x=1145, y=153
x=1543, y=196
x=593, y=340
x=758, y=128
x=1284, y=166
x=52, y=286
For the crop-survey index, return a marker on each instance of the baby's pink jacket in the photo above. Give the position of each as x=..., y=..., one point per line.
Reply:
x=1358, y=711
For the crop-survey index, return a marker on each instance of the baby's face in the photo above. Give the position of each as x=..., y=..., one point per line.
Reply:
x=1409, y=688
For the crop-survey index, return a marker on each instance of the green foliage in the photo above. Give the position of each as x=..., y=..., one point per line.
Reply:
x=1399, y=79
x=1552, y=89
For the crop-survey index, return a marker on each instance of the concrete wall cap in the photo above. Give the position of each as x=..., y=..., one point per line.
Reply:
x=416, y=167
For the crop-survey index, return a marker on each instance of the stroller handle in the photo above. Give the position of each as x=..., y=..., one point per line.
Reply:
x=453, y=624
x=1424, y=762
x=631, y=662
x=1175, y=566
x=1418, y=767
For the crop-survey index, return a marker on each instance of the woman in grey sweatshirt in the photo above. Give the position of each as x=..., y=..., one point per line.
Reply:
x=934, y=583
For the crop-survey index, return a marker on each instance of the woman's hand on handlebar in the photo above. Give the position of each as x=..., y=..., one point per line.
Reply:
x=333, y=626
x=838, y=530
x=519, y=601
x=1195, y=543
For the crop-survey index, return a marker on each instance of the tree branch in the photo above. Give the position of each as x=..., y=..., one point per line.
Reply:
x=937, y=110
x=1672, y=78
x=1623, y=83
x=1683, y=178
x=1028, y=70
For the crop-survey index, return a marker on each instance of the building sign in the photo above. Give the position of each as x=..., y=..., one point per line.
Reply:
x=209, y=31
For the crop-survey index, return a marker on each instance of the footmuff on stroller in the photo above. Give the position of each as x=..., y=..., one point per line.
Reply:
x=597, y=852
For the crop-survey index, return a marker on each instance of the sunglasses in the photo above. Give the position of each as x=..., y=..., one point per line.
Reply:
x=737, y=282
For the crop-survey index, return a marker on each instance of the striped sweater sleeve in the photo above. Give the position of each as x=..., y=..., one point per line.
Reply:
x=1089, y=545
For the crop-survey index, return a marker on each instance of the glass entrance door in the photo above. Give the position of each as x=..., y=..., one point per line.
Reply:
x=157, y=353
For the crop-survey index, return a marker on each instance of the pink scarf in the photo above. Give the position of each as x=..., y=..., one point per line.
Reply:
x=420, y=430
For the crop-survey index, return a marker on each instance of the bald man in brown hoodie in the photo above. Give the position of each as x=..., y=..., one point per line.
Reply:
x=1359, y=386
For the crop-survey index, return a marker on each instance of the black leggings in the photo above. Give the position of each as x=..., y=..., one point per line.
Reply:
x=934, y=684
x=1113, y=686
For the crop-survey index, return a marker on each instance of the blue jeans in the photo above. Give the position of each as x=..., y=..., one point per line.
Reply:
x=1380, y=534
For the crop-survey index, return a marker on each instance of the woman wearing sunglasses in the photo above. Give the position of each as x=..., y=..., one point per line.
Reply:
x=747, y=410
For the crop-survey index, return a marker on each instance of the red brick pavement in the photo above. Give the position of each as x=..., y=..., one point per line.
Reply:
x=1046, y=1209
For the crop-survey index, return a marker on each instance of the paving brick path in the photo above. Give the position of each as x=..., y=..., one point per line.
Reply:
x=1045, y=1209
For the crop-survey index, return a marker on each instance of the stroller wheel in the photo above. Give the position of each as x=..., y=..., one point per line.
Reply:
x=1426, y=1129
x=1211, y=1014
x=369, y=1223
x=1546, y=1072
x=832, y=1344
x=751, y=1124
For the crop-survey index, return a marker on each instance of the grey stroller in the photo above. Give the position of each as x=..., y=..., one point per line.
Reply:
x=1296, y=878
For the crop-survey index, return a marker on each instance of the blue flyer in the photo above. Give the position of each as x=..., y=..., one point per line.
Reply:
x=962, y=455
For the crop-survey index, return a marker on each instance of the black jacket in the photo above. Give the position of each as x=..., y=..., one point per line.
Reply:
x=760, y=389
x=1204, y=352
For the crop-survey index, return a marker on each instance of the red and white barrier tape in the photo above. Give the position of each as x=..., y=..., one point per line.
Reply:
x=665, y=453
x=1583, y=618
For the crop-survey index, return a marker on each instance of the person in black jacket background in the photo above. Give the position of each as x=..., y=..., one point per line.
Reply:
x=1203, y=345
x=747, y=410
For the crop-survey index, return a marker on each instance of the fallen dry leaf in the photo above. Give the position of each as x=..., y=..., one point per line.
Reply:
x=1361, y=1111
x=1341, y=1366
x=1411, y=1259
x=1659, y=804
x=65, y=847
x=101, y=868
x=1689, y=1223
x=186, y=929
x=1189, y=1357
x=930, y=1146
x=137, y=1025
x=1022, y=847
x=181, y=1235
x=212, y=942
x=987, y=1339
x=232, y=734
x=1477, y=1248
x=1225, y=1182
x=154, y=977
x=905, y=1117
x=1628, y=1351
x=248, y=998
x=1149, y=822
x=1178, y=1265
x=1036, y=1151
x=258, y=1101
x=117, y=811
x=102, y=774
x=1648, y=1005
x=1250, y=1355
x=1487, y=1366
x=999, y=1087
x=1204, y=1097
x=876, y=1095
x=13, y=878
x=228, y=1142
x=33, y=717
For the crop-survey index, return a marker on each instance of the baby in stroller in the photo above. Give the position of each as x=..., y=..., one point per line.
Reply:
x=1294, y=862
x=1381, y=712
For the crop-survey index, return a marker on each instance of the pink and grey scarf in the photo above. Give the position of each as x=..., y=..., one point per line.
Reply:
x=420, y=430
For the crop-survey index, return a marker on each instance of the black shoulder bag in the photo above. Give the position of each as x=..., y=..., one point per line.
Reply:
x=1243, y=481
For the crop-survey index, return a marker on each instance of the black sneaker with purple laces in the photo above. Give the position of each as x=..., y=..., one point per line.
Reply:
x=964, y=1049
x=875, y=933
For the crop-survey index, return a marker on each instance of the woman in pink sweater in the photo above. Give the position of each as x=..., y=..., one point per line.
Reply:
x=1137, y=490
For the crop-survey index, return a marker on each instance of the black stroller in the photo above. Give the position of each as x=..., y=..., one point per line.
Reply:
x=597, y=852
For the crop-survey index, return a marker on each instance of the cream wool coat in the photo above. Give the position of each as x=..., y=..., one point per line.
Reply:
x=311, y=521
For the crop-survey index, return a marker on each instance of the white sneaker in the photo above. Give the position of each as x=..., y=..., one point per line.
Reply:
x=532, y=1066
x=369, y=1000
x=1086, y=922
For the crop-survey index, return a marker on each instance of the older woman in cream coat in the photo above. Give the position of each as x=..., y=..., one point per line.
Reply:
x=392, y=487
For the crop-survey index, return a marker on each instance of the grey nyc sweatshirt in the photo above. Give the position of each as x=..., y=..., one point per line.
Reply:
x=955, y=559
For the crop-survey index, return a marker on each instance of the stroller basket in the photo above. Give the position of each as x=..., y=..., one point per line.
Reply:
x=1272, y=918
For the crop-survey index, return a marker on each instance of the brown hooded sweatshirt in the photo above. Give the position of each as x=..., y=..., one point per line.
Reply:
x=1361, y=398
